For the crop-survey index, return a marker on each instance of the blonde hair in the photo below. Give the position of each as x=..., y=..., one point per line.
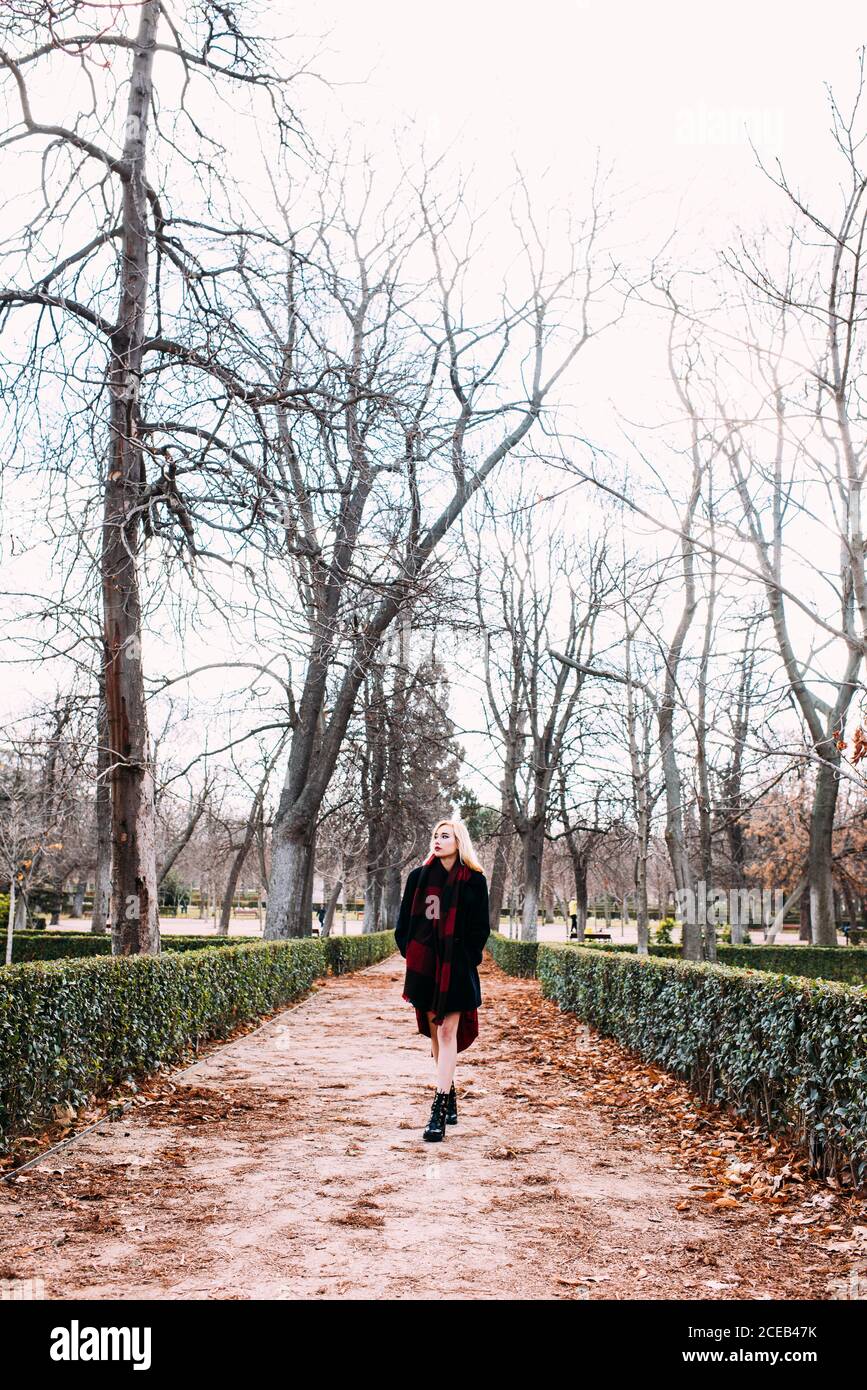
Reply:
x=466, y=853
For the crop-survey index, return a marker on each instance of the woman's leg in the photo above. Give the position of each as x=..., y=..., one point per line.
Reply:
x=434, y=1044
x=447, y=1050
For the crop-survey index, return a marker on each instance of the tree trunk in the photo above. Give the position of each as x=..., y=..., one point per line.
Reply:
x=642, y=916
x=391, y=897
x=533, y=849
x=10, y=922
x=580, y=864
x=851, y=902
x=260, y=850
x=101, y=910
x=289, y=861
x=250, y=831
x=639, y=758
x=78, y=898
x=372, y=900
x=674, y=833
x=512, y=908
x=822, y=914
x=505, y=841
x=307, y=901
x=134, y=910
x=235, y=868
x=776, y=925
x=396, y=742
x=331, y=907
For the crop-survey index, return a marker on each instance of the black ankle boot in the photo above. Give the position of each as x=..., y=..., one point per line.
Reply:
x=436, y=1125
x=452, y=1109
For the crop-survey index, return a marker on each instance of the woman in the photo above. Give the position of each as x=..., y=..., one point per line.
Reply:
x=441, y=931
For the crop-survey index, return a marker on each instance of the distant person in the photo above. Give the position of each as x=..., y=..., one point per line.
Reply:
x=441, y=931
x=321, y=915
x=573, y=918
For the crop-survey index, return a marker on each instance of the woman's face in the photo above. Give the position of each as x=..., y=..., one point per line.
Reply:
x=445, y=842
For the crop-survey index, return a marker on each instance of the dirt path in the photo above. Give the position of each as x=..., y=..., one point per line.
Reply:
x=290, y=1164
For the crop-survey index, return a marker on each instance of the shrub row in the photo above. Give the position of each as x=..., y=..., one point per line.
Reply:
x=847, y=964
x=784, y=1050
x=515, y=957
x=60, y=945
x=346, y=953
x=70, y=1028
x=342, y=952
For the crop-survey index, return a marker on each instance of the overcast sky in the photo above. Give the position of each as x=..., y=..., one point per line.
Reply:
x=666, y=91
x=669, y=95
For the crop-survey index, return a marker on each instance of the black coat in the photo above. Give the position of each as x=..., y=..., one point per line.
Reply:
x=472, y=929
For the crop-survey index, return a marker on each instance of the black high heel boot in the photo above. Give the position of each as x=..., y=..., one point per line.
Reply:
x=436, y=1125
x=452, y=1109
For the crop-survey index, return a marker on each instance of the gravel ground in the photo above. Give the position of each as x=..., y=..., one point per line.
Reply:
x=289, y=1164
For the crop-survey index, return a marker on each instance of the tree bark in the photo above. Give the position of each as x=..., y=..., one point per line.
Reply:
x=10, y=921
x=134, y=906
x=391, y=897
x=307, y=900
x=235, y=868
x=580, y=864
x=502, y=853
x=639, y=759
x=101, y=910
x=331, y=907
x=533, y=846
x=822, y=910
x=78, y=897
x=805, y=929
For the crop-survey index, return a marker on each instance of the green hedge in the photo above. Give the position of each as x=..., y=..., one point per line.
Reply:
x=346, y=953
x=848, y=964
x=515, y=957
x=60, y=945
x=343, y=952
x=784, y=1050
x=72, y=1028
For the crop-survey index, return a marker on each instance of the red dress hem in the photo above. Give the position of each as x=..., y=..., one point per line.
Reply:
x=468, y=1025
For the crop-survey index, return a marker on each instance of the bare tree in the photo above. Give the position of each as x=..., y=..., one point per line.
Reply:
x=545, y=582
x=410, y=400
x=105, y=294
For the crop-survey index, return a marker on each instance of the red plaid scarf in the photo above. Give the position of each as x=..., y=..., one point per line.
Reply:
x=431, y=939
